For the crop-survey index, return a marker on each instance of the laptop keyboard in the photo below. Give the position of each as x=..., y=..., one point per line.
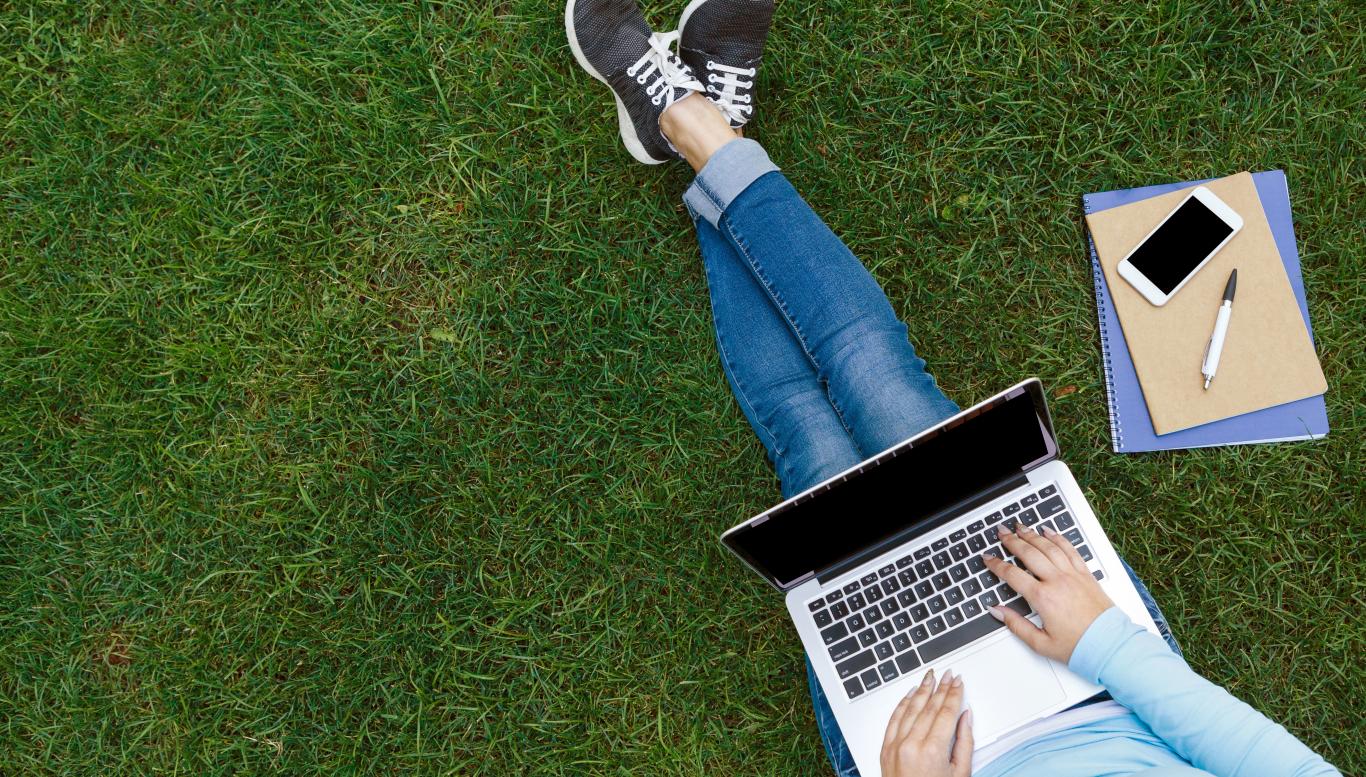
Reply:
x=934, y=599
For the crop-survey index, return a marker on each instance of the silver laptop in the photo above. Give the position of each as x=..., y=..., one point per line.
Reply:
x=882, y=570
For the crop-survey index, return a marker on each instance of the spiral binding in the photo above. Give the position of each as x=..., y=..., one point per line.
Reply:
x=1116, y=428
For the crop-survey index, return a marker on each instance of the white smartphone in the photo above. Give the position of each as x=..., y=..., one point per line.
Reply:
x=1178, y=247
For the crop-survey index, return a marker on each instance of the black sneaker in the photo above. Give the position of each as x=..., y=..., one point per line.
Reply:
x=613, y=43
x=723, y=41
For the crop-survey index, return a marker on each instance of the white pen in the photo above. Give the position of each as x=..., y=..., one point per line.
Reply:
x=1216, y=340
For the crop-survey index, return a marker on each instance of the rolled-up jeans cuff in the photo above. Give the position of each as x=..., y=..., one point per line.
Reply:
x=729, y=172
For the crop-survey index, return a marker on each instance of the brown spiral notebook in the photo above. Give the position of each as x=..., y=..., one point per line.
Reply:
x=1268, y=358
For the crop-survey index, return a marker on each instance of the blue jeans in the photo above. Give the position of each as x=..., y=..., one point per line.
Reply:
x=812, y=349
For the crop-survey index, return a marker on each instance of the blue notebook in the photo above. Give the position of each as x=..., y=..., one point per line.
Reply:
x=1131, y=428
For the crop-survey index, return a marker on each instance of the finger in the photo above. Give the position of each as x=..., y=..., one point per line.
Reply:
x=1016, y=577
x=1073, y=557
x=962, y=747
x=920, y=727
x=1033, y=558
x=947, y=718
x=1047, y=547
x=908, y=709
x=1020, y=626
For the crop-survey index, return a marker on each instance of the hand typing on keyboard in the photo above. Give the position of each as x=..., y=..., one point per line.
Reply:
x=1061, y=590
x=923, y=726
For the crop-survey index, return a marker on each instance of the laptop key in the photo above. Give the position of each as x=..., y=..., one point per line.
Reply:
x=853, y=687
x=972, y=609
x=941, y=559
x=920, y=612
x=953, y=617
x=855, y=622
x=972, y=588
x=888, y=671
x=994, y=518
x=959, y=551
x=968, y=632
x=816, y=605
x=889, y=606
x=1006, y=592
x=976, y=526
x=953, y=596
x=990, y=599
x=835, y=632
x=873, y=593
x=884, y=629
x=1073, y=536
x=823, y=619
x=1065, y=521
x=1097, y=574
x=834, y=596
x=989, y=579
x=843, y=649
x=924, y=588
x=883, y=650
x=959, y=573
x=868, y=579
x=906, y=598
x=1085, y=553
x=839, y=610
x=1050, y=506
x=901, y=642
x=924, y=568
x=887, y=570
x=958, y=536
x=937, y=604
x=1011, y=509
x=901, y=621
x=976, y=544
x=936, y=625
x=1048, y=490
x=940, y=544
x=1029, y=500
x=919, y=634
x=1029, y=517
x=903, y=562
x=852, y=587
x=976, y=564
x=867, y=638
x=872, y=615
x=890, y=586
x=857, y=602
x=921, y=553
x=942, y=581
x=871, y=679
x=907, y=661
x=906, y=577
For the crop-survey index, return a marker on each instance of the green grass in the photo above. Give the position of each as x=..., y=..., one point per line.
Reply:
x=359, y=408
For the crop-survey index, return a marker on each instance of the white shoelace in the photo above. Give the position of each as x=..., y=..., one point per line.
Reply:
x=669, y=73
x=736, y=107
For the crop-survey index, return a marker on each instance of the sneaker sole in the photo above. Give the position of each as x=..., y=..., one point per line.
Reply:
x=624, y=123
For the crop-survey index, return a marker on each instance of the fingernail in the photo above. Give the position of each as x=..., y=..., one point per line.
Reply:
x=1001, y=531
x=948, y=677
x=996, y=613
x=1048, y=531
x=928, y=678
x=967, y=717
x=958, y=681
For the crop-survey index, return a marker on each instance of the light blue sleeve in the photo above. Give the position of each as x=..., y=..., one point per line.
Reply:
x=1202, y=722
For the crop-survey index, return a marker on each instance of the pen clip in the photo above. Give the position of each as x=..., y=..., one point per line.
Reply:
x=1205, y=359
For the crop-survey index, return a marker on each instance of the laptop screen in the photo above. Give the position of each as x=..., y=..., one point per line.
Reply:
x=900, y=489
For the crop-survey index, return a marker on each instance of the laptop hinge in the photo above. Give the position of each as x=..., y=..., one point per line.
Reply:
x=929, y=524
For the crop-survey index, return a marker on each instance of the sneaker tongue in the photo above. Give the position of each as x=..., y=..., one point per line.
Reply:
x=727, y=52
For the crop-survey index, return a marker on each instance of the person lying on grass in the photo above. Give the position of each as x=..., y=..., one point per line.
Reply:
x=823, y=371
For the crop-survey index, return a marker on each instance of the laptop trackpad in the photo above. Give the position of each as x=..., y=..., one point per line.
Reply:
x=1006, y=685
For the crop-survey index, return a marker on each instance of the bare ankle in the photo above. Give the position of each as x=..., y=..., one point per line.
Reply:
x=696, y=128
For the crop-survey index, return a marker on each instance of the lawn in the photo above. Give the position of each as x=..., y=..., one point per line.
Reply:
x=360, y=411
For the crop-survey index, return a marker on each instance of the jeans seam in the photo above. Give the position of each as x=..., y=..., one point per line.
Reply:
x=742, y=396
x=743, y=247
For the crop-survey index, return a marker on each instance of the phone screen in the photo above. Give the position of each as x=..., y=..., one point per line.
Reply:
x=1179, y=245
